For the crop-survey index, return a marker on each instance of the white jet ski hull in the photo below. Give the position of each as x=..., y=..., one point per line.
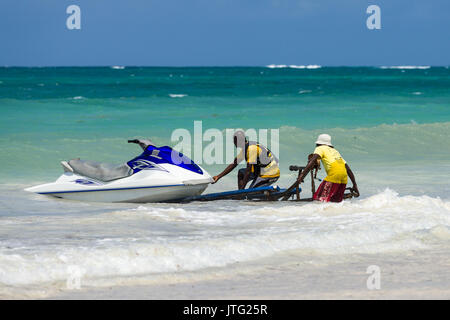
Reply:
x=171, y=184
x=133, y=195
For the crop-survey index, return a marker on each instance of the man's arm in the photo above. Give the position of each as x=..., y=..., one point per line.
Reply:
x=352, y=177
x=311, y=164
x=227, y=170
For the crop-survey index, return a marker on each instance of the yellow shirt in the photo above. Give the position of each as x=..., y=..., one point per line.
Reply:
x=333, y=163
x=253, y=152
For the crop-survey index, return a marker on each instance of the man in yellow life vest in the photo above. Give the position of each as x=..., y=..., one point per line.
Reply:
x=262, y=165
x=333, y=187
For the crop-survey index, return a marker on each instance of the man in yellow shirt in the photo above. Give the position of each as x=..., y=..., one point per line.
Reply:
x=333, y=187
x=262, y=165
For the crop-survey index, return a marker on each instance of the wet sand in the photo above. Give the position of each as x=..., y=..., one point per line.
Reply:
x=423, y=274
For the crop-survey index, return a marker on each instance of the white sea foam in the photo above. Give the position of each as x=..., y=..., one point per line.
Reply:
x=177, y=95
x=293, y=66
x=406, y=67
x=118, y=67
x=195, y=237
x=77, y=98
x=311, y=66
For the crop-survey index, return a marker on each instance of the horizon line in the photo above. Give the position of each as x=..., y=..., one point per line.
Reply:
x=270, y=66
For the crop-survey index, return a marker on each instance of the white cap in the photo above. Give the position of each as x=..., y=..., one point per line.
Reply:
x=324, y=139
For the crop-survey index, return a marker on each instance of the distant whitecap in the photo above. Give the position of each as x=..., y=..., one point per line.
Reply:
x=293, y=66
x=406, y=67
x=276, y=66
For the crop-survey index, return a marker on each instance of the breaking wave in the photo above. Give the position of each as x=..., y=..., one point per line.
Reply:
x=227, y=233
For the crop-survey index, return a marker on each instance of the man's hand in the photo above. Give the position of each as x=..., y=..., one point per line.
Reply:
x=215, y=178
x=355, y=190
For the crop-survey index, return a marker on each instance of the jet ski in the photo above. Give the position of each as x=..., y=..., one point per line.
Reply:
x=157, y=175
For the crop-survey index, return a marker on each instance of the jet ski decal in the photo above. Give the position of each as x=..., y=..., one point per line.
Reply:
x=165, y=154
x=86, y=182
x=142, y=164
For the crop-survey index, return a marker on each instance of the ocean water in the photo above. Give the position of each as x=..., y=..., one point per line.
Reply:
x=392, y=125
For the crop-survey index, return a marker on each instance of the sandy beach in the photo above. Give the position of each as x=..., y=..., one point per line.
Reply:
x=422, y=274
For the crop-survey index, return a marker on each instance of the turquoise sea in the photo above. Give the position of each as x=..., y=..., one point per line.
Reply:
x=51, y=114
x=392, y=125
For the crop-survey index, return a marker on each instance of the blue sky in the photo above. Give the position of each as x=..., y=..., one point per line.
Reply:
x=224, y=33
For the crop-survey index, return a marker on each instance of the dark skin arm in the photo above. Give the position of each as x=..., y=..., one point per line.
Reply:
x=241, y=183
x=311, y=164
x=227, y=170
x=352, y=177
x=313, y=161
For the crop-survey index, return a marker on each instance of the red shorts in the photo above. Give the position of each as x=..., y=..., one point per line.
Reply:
x=330, y=192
